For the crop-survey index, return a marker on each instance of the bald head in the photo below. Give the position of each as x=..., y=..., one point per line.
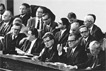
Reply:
x=94, y=47
x=7, y=15
x=88, y=21
x=74, y=27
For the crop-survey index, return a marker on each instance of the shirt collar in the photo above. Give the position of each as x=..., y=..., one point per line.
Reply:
x=91, y=28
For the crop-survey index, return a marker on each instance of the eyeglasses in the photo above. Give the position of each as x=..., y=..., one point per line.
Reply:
x=70, y=41
x=88, y=21
x=15, y=29
x=83, y=32
x=46, y=41
x=1, y=10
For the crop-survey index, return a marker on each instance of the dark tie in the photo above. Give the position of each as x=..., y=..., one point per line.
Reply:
x=38, y=24
x=2, y=29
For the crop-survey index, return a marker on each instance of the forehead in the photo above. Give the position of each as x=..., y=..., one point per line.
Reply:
x=6, y=13
x=72, y=37
x=22, y=6
x=88, y=18
x=83, y=29
x=1, y=7
x=47, y=38
x=16, y=27
x=40, y=9
x=74, y=25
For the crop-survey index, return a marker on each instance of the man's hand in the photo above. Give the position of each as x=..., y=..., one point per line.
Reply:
x=59, y=47
x=72, y=67
x=65, y=48
x=35, y=58
x=88, y=68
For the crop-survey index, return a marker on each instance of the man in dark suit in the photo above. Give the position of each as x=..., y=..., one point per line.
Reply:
x=11, y=40
x=95, y=31
x=24, y=15
x=49, y=52
x=36, y=21
x=75, y=52
x=49, y=25
x=74, y=28
x=6, y=23
x=86, y=36
x=31, y=44
x=62, y=35
x=96, y=60
x=72, y=17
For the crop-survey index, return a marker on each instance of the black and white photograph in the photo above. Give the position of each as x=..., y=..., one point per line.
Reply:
x=52, y=35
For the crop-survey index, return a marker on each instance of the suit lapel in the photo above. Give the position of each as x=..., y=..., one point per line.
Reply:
x=64, y=35
x=34, y=46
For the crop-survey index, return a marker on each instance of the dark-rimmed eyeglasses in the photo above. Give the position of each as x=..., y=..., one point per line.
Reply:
x=83, y=32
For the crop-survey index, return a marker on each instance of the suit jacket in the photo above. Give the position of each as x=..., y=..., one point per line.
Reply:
x=10, y=44
x=49, y=55
x=100, y=65
x=32, y=22
x=90, y=39
x=36, y=49
x=4, y=29
x=97, y=33
x=24, y=18
x=51, y=28
x=63, y=38
x=77, y=57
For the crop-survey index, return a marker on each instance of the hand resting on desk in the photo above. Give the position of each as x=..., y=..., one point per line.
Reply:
x=35, y=58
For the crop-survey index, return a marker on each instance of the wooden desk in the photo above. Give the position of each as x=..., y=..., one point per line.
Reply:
x=21, y=64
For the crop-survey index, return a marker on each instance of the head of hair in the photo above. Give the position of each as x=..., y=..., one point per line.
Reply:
x=71, y=15
x=48, y=34
x=94, y=44
x=1, y=4
x=92, y=16
x=82, y=26
x=45, y=9
x=18, y=19
x=34, y=31
x=65, y=22
x=50, y=15
x=18, y=24
x=26, y=5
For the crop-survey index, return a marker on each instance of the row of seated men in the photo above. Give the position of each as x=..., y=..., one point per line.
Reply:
x=70, y=41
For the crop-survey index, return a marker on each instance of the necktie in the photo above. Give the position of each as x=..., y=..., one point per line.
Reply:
x=95, y=62
x=38, y=24
x=13, y=37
